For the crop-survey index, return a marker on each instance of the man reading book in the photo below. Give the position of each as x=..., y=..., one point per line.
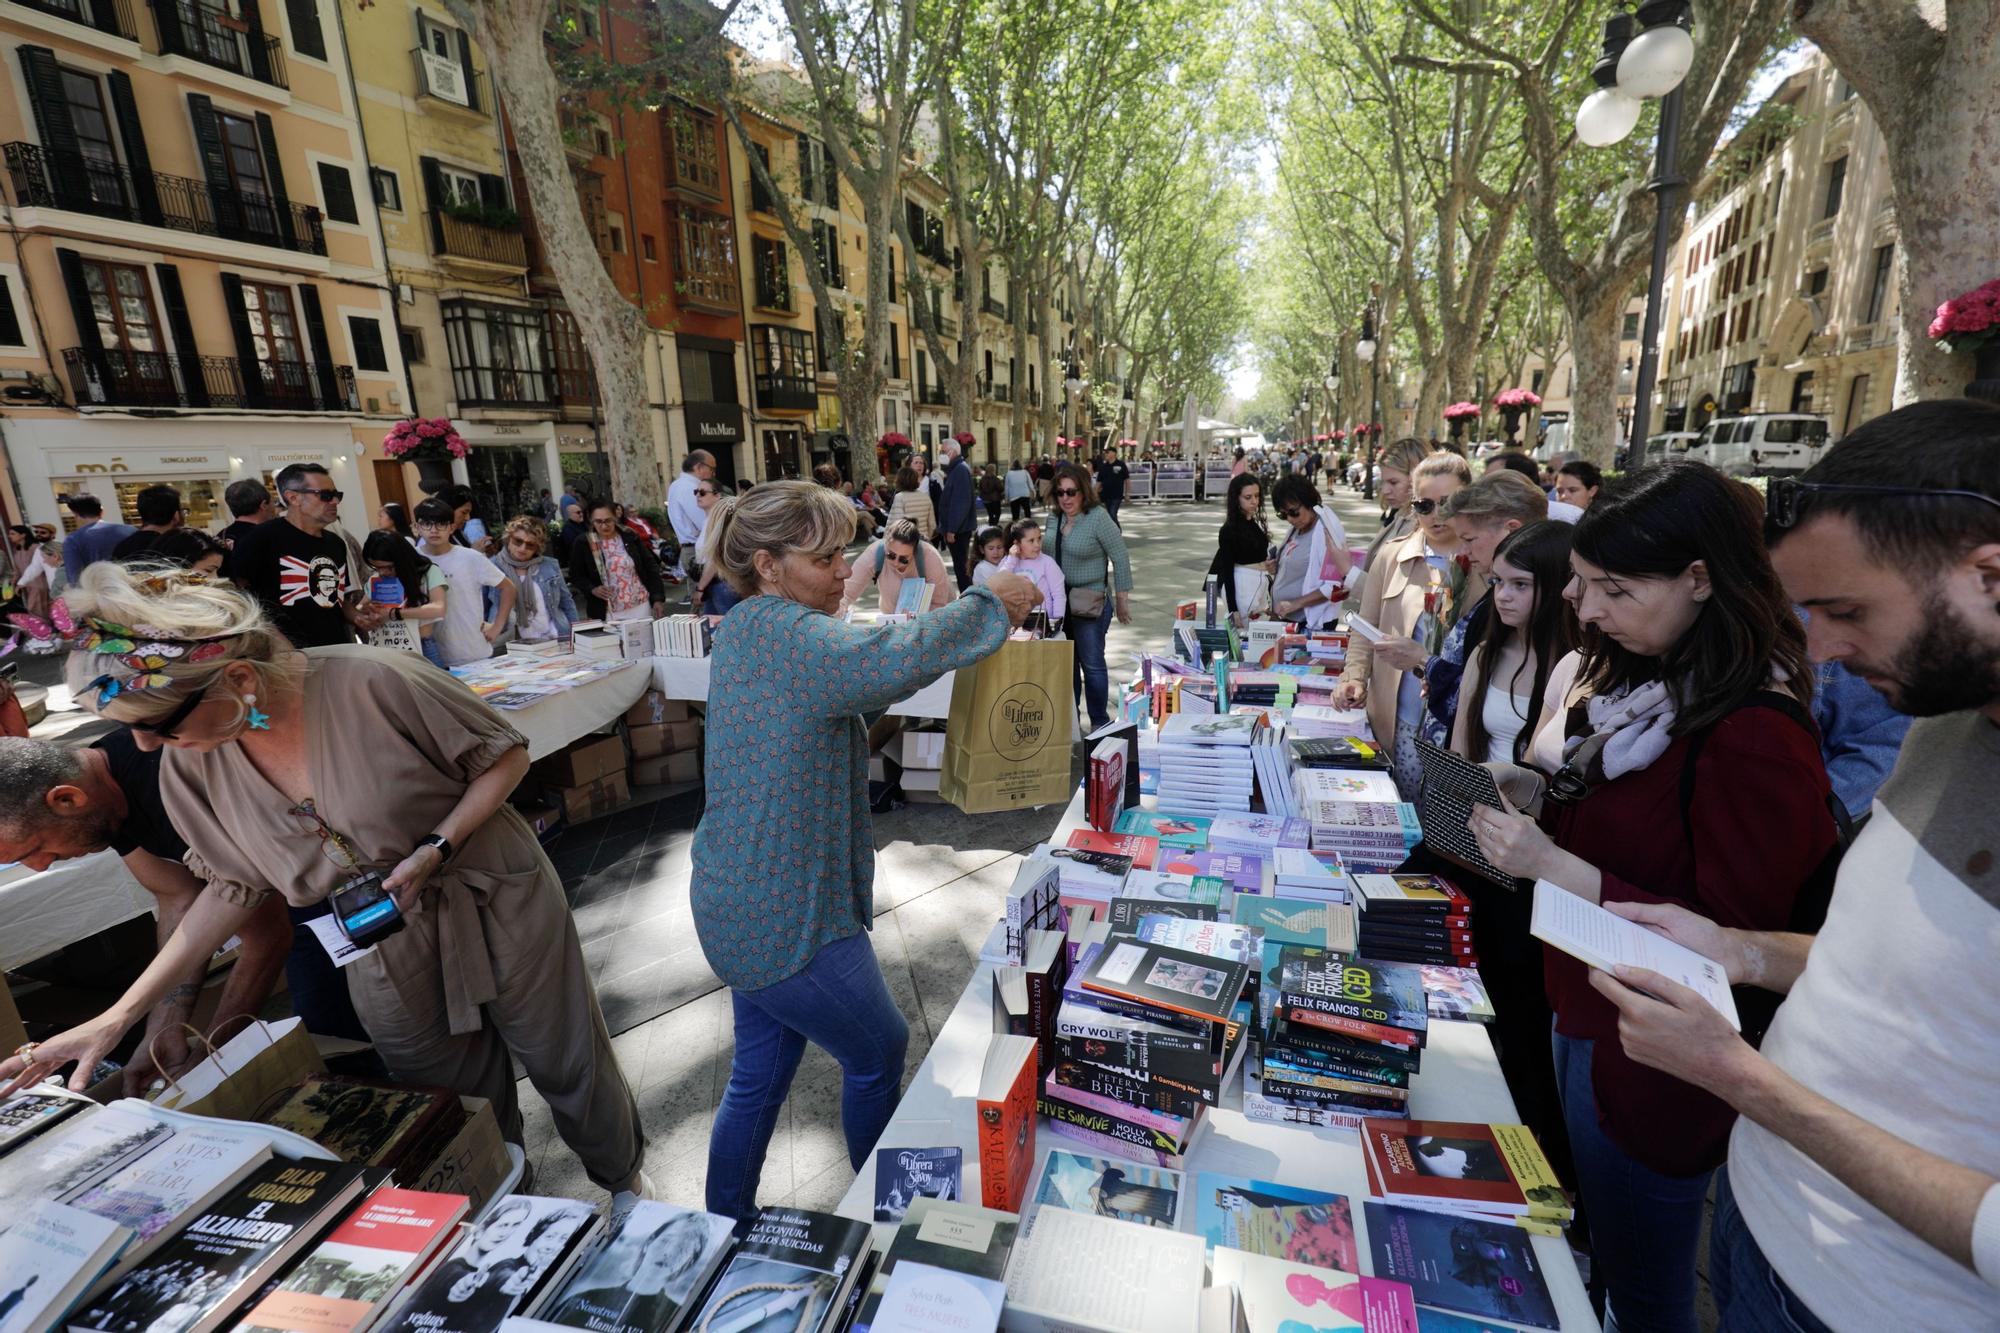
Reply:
x=1863, y=1182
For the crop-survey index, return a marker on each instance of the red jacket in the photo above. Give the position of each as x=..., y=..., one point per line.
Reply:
x=1760, y=828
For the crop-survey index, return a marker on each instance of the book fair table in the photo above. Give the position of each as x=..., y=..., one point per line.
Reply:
x=1460, y=1081
x=687, y=678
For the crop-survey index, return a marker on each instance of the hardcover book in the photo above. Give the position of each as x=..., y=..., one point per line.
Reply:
x=28, y=1113
x=503, y=1264
x=1150, y=1196
x=1465, y=1167
x=361, y=1265
x=1007, y=1121
x=643, y=1277
x=1484, y=1269
x=1279, y=1296
x=904, y=1175
x=50, y=1254
x=1283, y=1221
x=790, y=1273
x=1189, y=832
x=1175, y=980
x=956, y=1237
x=198, y=1280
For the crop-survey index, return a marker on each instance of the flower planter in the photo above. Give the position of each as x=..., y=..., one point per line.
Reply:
x=433, y=474
x=1985, y=373
x=1511, y=416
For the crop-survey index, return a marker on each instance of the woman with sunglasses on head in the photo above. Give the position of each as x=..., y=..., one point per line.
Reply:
x=298, y=772
x=1407, y=597
x=1686, y=770
x=1314, y=562
x=901, y=553
x=1097, y=577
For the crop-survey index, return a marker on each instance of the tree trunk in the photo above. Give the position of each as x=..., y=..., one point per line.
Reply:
x=614, y=332
x=1594, y=345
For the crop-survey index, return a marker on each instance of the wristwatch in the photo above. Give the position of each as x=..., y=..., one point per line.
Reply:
x=442, y=843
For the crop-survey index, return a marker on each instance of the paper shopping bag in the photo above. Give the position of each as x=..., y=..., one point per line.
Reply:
x=1007, y=741
x=244, y=1072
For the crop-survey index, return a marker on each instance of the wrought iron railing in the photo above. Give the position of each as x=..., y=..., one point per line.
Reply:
x=995, y=391
x=112, y=16
x=41, y=178
x=116, y=377
x=934, y=395
x=214, y=36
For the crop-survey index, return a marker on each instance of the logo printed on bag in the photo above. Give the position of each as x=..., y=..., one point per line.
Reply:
x=1020, y=721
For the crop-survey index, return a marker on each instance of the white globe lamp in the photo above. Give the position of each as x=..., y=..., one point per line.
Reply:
x=1655, y=62
x=1606, y=117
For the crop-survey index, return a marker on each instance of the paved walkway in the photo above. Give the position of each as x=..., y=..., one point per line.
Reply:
x=940, y=879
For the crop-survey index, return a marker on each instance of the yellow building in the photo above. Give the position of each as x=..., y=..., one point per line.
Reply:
x=192, y=286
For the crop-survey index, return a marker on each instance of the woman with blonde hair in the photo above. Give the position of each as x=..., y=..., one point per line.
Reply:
x=1408, y=597
x=544, y=608
x=784, y=857
x=304, y=773
x=1399, y=460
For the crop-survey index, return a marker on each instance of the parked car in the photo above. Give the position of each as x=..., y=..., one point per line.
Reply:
x=1668, y=444
x=1762, y=443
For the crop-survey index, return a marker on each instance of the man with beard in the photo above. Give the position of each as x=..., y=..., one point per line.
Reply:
x=1863, y=1184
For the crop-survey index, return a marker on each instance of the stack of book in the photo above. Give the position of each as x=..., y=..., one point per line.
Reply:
x=1343, y=1036
x=1088, y=881
x=1358, y=814
x=1025, y=998
x=1268, y=756
x=683, y=636
x=1197, y=897
x=1200, y=643
x=1414, y=919
x=1146, y=1037
x=1494, y=1173
x=1317, y=742
x=1205, y=763
x=1257, y=834
x=1303, y=873
x=1177, y=832
x=1141, y=849
x=1034, y=902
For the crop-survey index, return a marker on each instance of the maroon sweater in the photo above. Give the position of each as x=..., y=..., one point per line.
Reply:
x=1760, y=827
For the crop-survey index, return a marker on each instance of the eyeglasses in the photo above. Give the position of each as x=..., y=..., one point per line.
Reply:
x=327, y=495
x=1783, y=495
x=704, y=490
x=336, y=848
x=1062, y=491
x=1291, y=511
x=164, y=728
x=1425, y=506
x=432, y=525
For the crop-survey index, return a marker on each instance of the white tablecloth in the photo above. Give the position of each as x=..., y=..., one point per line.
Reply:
x=687, y=678
x=74, y=899
x=1461, y=1080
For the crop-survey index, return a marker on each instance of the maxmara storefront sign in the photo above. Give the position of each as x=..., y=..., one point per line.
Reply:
x=714, y=423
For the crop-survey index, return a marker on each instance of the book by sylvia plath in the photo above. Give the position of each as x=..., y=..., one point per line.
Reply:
x=904, y=1175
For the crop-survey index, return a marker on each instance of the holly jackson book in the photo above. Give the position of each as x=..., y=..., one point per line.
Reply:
x=1176, y=980
x=197, y=1281
x=1484, y=1269
x=361, y=1265
x=790, y=1273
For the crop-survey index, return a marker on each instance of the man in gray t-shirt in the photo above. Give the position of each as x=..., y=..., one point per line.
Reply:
x=1863, y=1185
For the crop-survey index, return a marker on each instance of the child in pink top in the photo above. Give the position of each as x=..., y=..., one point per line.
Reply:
x=1027, y=560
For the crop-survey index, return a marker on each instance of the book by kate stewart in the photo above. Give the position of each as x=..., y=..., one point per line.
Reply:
x=1484, y=1269
x=904, y=1175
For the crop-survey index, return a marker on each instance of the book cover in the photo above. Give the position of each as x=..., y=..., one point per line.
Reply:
x=1304, y=868
x=1007, y=1121
x=1140, y=849
x=644, y=1275
x=1339, y=752
x=1159, y=886
x=1456, y=1164
x=497, y=1267
x=28, y=1113
x=77, y=1153
x=1415, y=895
x=1308, y=921
x=1231, y=729
x=956, y=1237
x=1034, y=900
x=1336, y=787
x=361, y=1264
x=1176, y=980
x=50, y=1254
x=1114, y=1121
x=368, y=1124
x=1150, y=1196
x=1105, y=799
x=1189, y=832
x=179, y=1174
x=923, y=1299
x=913, y=597
x=1149, y=1090
x=904, y=1175
x=1256, y=832
x=1457, y=992
x=1091, y=874
x=1280, y=1297
x=1125, y=914
x=1244, y=871
x=1079, y=1271
x=1232, y=940
x=198, y=1279
x=1484, y=1269
x=1283, y=1221
x=1386, y=993
x=788, y=1274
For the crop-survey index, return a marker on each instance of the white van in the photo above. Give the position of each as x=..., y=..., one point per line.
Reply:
x=1762, y=443
x=1669, y=444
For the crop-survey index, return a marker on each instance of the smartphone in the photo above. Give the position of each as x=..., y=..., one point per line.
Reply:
x=385, y=590
x=365, y=911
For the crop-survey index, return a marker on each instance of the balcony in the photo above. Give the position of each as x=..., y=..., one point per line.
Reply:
x=1821, y=232
x=692, y=163
x=989, y=306
x=39, y=178
x=118, y=378
x=795, y=393
x=107, y=16
x=995, y=392
x=1034, y=397
x=476, y=242
x=445, y=80
x=214, y=36
x=933, y=395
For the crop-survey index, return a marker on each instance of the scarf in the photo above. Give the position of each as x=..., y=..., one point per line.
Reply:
x=524, y=589
x=1628, y=731
x=1320, y=571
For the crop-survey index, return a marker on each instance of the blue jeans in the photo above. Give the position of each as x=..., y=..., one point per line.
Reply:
x=1093, y=685
x=1644, y=1227
x=433, y=654
x=840, y=1003
x=1749, y=1294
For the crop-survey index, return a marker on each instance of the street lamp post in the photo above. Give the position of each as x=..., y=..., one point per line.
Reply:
x=1366, y=349
x=1652, y=63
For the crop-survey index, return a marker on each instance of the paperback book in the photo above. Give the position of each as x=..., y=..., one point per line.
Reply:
x=504, y=1264
x=1125, y=914
x=905, y=1175
x=1034, y=901
x=954, y=1237
x=1188, y=832
x=1141, y=849
x=1457, y=992
x=1307, y=921
x=1150, y=1196
x=1464, y=1167
x=1245, y=873
x=1006, y=1110
x=361, y=1265
x=645, y=1274
x=1283, y=1221
x=395, y=1126
x=1279, y=1296
x=1484, y=1269
x=1077, y=1271
x=1175, y=980
x=180, y=1174
x=790, y=1273
x=77, y=1153
x=50, y=1254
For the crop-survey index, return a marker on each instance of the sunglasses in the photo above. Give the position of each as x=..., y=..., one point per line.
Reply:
x=704, y=490
x=1782, y=496
x=1291, y=511
x=1425, y=506
x=164, y=728
x=327, y=495
x=1066, y=491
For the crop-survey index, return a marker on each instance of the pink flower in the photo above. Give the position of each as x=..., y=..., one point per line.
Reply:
x=433, y=430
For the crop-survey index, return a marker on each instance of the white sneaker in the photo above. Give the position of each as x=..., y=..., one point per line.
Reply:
x=624, y=1201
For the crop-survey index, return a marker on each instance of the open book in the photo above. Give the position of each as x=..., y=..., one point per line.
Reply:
x=1606, y=940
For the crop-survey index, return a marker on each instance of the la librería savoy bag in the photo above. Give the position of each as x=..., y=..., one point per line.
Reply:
x=1007, y=742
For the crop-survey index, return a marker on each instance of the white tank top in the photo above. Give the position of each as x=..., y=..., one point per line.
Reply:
x=1505, y=715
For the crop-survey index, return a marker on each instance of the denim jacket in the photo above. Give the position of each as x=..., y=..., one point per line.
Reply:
x=1860, y=735
x=547, y=576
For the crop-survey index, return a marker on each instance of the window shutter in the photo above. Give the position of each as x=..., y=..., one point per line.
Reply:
x=194, y=388
x=10, y=321
x=336, y=187
x=465, y=66
x=131, y=130
x=492, y=191
x=281, y=203
x=80, y=307
x=253, y=38
x=322, y=351
x=434, y=199
x=805, y=166
x=366, y=336
x=64, y=156
x=224, y=206
x=307, y=39
x=247, y=369
x=104, y=17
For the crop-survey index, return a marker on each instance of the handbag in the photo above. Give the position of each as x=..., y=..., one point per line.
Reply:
x=1253, y=591
x=1084, y=602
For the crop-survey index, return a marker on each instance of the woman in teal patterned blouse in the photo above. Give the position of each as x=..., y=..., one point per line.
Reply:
x=784, y=858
